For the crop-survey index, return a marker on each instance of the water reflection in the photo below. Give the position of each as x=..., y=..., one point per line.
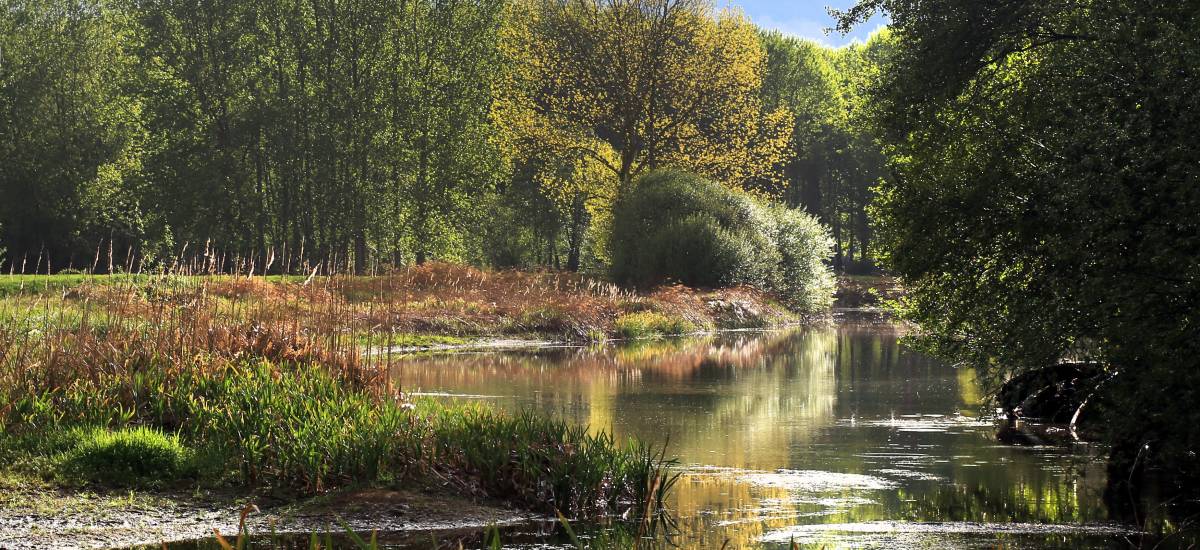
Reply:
x=831, y=436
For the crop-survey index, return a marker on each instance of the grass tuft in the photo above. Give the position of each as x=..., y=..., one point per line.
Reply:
x=128, y=457
x=651, y=324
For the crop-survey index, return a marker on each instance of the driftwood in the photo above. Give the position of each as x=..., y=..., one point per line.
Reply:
x=1051, y=394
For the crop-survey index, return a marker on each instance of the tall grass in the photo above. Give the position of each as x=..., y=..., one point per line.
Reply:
x=327, y=312
x=284, y=385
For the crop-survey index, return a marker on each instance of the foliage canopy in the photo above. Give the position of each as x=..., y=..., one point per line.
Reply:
x=1044, y=202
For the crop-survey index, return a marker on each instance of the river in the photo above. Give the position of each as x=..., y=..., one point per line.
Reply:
x=832, y=436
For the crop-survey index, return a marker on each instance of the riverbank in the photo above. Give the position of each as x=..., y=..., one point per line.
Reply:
x=428, y=306
x=35, y=515
x=85, y=462
x=154, y=405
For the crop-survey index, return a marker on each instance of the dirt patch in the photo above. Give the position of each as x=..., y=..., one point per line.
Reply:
x=50, y=519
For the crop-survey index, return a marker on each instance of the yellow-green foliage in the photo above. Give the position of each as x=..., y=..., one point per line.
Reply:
x=126, y=456
x=650, y=324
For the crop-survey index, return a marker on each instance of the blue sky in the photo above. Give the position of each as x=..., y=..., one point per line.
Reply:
x=803, y=18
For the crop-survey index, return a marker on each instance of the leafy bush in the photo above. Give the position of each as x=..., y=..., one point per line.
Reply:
x=680, y=227
x=804, y=281
x=684, y=228
x=127, y=457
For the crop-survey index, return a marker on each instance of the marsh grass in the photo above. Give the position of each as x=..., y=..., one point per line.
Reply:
x=228, y=381
x=651, y=324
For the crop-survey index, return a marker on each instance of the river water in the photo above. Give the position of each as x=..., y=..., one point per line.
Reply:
x=831, y=437
x=827, y=437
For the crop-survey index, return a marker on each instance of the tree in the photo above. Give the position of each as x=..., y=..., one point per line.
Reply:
x=1044, y=198
x=580, y=188
x=327, y=132
x=71, y=137
x=659, y=82
x=833, y=158
x=441, y=93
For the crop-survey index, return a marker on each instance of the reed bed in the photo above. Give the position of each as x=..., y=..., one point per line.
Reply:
x=248, y=382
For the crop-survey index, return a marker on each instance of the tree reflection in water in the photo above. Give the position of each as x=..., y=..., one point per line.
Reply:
x=833, y=426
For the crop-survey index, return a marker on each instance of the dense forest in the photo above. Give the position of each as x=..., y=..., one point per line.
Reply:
x=367, y=133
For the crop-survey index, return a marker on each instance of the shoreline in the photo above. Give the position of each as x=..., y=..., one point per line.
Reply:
x=115, y=519
x=256, y=328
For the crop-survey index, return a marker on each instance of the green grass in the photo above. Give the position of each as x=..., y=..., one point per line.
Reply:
x=127, y=457
x=651, y=324
x=268, y=425
x=11, y=285
x=37, y=284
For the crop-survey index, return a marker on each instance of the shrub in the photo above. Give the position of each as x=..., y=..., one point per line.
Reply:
x=804, y=281
x=127, y=457
x=676, y=226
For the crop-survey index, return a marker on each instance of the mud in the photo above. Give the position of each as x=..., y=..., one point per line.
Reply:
x=60, y=520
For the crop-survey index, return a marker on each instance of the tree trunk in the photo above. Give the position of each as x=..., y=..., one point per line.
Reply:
x=360, y=252
x=421, y=219
x=575, y=232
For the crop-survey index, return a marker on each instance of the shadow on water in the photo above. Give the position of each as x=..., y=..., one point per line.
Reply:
x=829, y=437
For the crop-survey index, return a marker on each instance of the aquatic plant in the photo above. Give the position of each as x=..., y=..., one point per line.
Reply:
x=650, y=324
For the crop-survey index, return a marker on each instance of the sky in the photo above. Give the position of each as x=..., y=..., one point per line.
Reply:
x=803, y=18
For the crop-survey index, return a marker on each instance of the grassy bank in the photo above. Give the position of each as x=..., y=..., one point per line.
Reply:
x=175, y=382
x=435, y=304
x=303, y=431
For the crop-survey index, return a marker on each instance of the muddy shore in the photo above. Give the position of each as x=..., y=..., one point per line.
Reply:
x=61, y=519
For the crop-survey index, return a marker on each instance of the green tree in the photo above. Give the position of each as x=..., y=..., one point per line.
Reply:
x=445, y=60
x=321, y=133
x=833, y=159
x=1045, y=194
x=71, y=136
x=641, y=84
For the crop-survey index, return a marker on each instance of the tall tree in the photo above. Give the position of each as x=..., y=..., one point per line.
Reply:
x=656, y=81
x=1044, y=198
x=833, y=159
x=71, y=138
x=446, y=58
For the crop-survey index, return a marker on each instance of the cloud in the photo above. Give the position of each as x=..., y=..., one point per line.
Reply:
x=801, y=27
